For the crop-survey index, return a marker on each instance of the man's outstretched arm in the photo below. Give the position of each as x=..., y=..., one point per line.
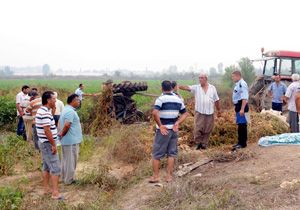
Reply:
x=184, y=87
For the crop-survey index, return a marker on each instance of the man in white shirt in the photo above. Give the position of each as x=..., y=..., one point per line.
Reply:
x=206, y=99
x=80, y=93
x=22, y=101
x=59, y=106
x=290, y=98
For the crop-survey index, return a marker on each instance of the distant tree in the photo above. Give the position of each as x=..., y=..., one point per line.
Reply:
x=173, y=69
x=213, y=72
x=117, y=73
x=227, y=81
x=247, y=69
x=7, y=71
x=220, y=68
x=46, y=70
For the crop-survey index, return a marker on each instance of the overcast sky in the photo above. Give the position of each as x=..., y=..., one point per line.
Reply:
x=138, y=34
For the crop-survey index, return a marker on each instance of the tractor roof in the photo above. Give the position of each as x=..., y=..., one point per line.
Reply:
x=282, y=53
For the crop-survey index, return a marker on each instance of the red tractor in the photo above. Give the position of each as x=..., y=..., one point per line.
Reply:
x=284, y=63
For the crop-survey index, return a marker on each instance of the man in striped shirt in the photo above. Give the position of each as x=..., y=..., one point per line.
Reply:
x=34, y=105
x=47, y=133
x=166, y=115
x=206, y=99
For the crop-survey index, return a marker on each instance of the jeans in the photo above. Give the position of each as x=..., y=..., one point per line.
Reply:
x=56, y=119
x=35, y=138
x=21, y=127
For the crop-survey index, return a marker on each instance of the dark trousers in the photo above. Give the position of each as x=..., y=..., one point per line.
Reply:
x=21, y=127
x=56, y=119
x=242, y=134
x=277, y=106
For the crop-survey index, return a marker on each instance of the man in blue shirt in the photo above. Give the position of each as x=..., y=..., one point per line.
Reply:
x=240, y=97
x=277, y=91
x=71, y=137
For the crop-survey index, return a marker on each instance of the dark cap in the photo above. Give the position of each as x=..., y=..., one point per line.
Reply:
x=33, y=94
x=108, y=82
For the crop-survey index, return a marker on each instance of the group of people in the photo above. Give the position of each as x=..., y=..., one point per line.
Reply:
x=169, y=112
x=52, y=124
x=281, y=94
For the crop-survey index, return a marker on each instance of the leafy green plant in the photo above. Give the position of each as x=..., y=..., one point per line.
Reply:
x=10, y=198
x=7, y=112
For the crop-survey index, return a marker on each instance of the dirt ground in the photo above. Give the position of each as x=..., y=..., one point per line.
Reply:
x=264, y=181
x=259, y=181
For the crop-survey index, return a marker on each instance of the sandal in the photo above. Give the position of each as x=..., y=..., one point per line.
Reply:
x=153, y=181
x=59, y=198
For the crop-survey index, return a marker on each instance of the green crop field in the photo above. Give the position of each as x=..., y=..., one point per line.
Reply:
x=10, y=88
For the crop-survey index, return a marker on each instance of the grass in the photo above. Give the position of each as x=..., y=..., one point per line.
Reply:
x=87, y=147
x=100, y=177
x=13, y=150
x=129, y=144
x=192, y=193
x=10, y=198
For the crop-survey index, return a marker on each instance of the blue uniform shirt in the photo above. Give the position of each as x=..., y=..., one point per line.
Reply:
x=240, y=91
x=74, y=134
x=277, y=91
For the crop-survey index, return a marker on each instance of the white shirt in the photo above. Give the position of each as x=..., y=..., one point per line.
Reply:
x=23, y=100
x=290, y=93
x=44, y=118
x=204, y=102
x=59, y=107
x=79, y=92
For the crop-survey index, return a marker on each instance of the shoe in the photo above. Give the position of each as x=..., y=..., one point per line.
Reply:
x=238, y=146
x=200, y=146
x=234, y=146
x=72, y=182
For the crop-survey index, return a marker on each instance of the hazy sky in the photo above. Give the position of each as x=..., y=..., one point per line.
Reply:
x=139, y=34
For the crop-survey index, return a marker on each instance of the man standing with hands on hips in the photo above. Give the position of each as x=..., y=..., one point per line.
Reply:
x=240, y=97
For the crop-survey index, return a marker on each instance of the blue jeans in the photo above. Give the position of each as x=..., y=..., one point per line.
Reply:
x=21, y=127
x=35, y=138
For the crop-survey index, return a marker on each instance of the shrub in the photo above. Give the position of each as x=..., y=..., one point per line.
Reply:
x=10, y=198
x=7, y=112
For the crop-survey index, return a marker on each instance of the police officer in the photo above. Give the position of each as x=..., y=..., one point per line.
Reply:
x=240, y=97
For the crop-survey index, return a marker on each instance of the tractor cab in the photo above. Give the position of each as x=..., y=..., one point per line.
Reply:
x=284, y=63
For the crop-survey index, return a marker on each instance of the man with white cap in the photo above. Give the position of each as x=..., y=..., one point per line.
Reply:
x=290, y=99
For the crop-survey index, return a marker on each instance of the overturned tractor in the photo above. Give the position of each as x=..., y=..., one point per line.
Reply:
x=123, y=106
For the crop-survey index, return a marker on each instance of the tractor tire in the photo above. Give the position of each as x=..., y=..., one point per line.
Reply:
x=129, y=87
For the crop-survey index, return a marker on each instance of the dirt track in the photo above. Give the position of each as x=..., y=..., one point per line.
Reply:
x=256, y=181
